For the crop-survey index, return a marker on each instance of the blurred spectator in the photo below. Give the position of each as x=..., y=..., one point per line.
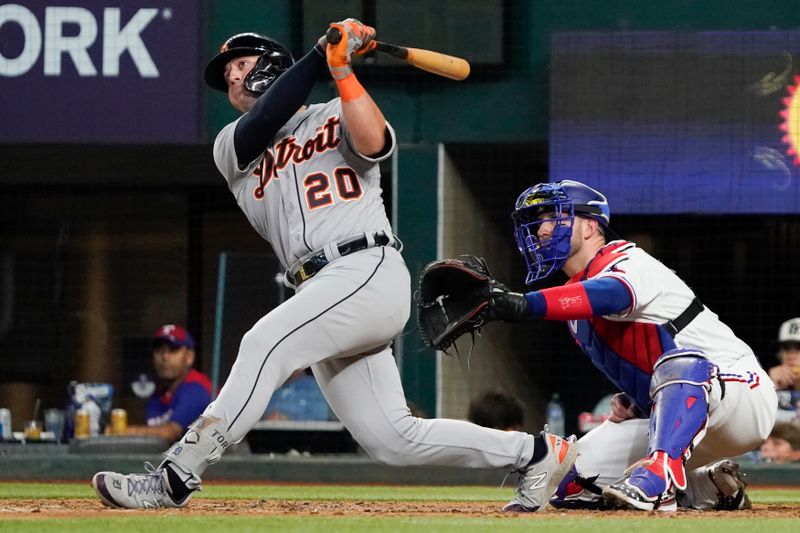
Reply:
x=786, y=375
x=496, y=410
x=298, y=399
x=783, y=444
x=182, y=393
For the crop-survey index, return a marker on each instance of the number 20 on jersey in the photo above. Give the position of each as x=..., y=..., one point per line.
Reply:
x=319, y=192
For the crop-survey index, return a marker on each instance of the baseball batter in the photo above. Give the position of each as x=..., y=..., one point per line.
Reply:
x=699, y=389
x=307, y=179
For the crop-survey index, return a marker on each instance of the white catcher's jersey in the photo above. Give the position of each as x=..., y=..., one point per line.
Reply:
x=310, y=187
x=627, y=348
x=659, y=296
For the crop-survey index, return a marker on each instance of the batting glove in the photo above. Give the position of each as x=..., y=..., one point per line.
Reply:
x=357, y=38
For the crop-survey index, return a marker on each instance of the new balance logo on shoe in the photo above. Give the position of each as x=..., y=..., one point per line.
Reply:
x=538, y=481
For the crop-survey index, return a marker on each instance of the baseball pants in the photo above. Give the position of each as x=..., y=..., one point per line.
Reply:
x=341, y=323
x=738, y=422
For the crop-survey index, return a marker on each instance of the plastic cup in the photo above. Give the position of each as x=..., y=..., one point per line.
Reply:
x=33, y=430
x=54, y=422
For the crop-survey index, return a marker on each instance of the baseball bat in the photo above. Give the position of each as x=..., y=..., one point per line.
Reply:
x=451, y=67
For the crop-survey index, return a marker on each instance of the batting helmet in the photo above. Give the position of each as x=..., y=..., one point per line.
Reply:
x=557, y=203
x=273, y=61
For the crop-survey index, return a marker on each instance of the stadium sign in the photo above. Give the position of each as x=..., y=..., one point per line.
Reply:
x=99, y=71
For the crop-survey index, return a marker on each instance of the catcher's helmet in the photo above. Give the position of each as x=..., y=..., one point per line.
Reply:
x=274, y=61
x=558, y=203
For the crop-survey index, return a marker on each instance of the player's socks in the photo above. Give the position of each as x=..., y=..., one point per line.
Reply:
x=539, y=449
x=177, y=479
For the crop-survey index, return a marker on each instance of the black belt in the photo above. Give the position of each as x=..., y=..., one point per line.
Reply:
x=674, y=327
x=311, y=266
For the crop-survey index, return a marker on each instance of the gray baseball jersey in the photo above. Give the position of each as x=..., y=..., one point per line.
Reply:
x=310, y=187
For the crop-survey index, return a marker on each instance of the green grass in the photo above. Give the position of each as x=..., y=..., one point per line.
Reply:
x=215, y=491
x=391, y=525
x=283, y=492
x=170, y=521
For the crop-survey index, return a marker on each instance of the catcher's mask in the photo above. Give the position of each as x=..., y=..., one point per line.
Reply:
x=273, y=61
x=557, y=203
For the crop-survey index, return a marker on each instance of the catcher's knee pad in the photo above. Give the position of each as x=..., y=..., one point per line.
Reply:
x=682, y=365
x=202, y=445
x=679, y=389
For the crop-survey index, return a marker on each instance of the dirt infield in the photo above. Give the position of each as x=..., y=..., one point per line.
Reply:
x=86, y=508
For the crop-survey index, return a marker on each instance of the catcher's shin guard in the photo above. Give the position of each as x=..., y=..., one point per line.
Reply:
x=679, y=389
x=202, y=445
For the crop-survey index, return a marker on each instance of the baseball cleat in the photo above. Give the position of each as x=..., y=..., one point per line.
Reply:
x=730, y=483
x=539, y=481
x=623, y=495
x=136, y=491
x=648, y=486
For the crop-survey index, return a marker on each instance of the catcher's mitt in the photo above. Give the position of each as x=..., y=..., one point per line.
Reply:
x=457, y=296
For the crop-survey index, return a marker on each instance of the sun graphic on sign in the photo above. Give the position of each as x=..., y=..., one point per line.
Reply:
x=791, y=121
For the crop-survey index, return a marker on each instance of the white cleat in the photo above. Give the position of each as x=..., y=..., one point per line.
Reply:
x=136, y=491
x=538, y=482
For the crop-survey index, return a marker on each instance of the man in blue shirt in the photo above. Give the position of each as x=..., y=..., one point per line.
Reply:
x=182, y=393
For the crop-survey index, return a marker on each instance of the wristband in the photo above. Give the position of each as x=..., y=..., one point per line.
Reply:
x=349, y=88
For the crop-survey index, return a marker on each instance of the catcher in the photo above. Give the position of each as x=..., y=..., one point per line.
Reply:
x=693, y=393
